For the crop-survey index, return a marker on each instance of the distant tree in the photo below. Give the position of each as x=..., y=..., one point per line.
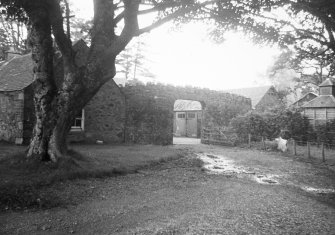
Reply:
x=13, y=35
x=132, y=61
x=310, y=71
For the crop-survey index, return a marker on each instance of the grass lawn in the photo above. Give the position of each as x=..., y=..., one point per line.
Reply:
x=22, y=182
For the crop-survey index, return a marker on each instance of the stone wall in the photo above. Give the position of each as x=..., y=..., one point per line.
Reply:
x=105, y=115
x=11, y=116
x=149, y=113
x=149, y=119
x=29, y=114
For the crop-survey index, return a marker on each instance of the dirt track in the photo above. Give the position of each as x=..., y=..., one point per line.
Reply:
x=179, y=197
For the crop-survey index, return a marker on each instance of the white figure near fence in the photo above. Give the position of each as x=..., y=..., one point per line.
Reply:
x=282, y=144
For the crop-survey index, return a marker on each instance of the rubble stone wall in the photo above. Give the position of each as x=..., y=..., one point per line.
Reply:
x=149, y=113
x=104, y=115
x=11, y=116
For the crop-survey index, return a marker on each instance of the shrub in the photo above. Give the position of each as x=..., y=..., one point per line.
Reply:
x=271, y=124
x=325, y=133
x=250, y=123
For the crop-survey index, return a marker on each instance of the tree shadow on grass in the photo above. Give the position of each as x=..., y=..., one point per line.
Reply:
x=30, y=184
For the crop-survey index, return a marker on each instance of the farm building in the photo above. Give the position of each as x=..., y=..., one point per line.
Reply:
x=138, y=113
x=322, y=108
x=187, y=118
x=16, y=101
x=262, y=98
x=304, y=100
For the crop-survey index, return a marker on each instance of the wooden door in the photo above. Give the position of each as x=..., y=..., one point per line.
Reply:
x=180, y=124
x=191, y=124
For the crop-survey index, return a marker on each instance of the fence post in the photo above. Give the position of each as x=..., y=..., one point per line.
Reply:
x=249, y=140
x=323, y=152
x=263, y=143
x=308, y=149
x=295, y=148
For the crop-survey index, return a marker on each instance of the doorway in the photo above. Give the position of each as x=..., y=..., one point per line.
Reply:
x=187, y=118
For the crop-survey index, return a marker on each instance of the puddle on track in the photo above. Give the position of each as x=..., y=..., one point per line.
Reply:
x=217, y=164
x=318, y=190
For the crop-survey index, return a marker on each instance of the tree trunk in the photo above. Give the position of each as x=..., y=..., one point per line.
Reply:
x=56, y=106
x=57, y=146
x=44, y=87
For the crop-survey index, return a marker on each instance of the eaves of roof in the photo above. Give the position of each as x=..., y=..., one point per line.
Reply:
x=323, y=101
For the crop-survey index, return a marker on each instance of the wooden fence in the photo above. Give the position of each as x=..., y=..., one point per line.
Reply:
x=309, y=149
x=219, y=137
x=317, y=150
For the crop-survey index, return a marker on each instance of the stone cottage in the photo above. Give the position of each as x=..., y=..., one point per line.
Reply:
x=16, y=101
x=139, y=113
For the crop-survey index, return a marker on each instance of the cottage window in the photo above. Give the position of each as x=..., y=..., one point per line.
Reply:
x=78, y=124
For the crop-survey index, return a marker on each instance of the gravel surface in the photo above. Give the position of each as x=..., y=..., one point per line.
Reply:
x=179, y=197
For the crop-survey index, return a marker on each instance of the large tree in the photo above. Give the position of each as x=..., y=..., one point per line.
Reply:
x=115, y=23
x=57, y=100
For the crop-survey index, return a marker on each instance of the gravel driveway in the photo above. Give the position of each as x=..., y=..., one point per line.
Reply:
x=180, y=197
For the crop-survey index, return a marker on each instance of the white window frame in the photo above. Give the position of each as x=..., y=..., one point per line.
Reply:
x=81, y=128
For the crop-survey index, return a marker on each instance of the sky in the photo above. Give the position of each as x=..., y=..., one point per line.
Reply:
x=187, y=56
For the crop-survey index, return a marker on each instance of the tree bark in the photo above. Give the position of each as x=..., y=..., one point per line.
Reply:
x=44, y=86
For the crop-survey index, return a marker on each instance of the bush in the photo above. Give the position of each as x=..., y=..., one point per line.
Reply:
x=271, y=124
x=324, y=133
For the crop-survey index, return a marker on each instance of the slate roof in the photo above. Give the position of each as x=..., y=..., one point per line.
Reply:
x=17, y=73
x=323, y=101
x=187, y=105
x=304, y=96
x=327, y=82
x=254, y=93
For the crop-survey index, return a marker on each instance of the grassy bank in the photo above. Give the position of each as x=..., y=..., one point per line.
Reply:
x=23, y=183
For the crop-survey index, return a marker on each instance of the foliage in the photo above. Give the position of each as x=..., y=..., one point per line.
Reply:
x=325, y=133
x=305, y=29
x=270, y=125
x=221, y=114
x=12, y=36
x=311, y=53
x=80, y=29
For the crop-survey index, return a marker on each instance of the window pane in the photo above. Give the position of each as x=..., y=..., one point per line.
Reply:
x=78, y=121
x=181, y=115
x=191, y=115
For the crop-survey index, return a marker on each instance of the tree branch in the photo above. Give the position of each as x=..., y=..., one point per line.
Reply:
x=63, y=41
x=130, y=28
x=157, y=7
x=162, y=21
